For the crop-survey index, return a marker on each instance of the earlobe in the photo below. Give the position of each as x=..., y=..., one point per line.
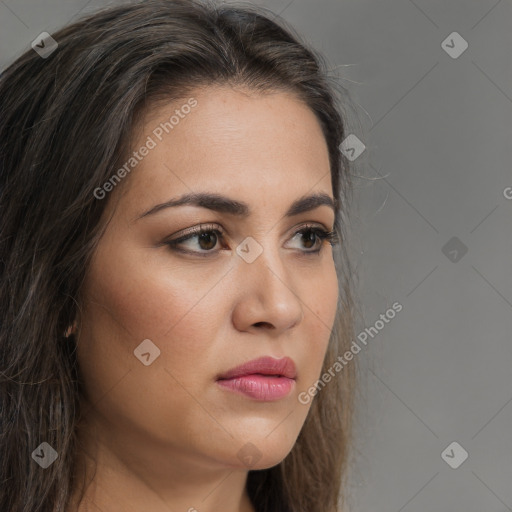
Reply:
x=70, y=330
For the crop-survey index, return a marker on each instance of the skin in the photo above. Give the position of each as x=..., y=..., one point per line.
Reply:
x=165, y=437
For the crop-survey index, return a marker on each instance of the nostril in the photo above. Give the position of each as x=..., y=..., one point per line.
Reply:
x=264, y=324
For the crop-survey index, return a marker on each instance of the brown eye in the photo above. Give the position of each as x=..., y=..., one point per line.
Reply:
x=208, y=240
x=200, y=240
x=309, y=238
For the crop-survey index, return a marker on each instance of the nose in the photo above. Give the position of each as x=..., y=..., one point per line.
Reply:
x=267, y=298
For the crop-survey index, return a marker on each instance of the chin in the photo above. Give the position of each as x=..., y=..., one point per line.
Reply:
x=261, y=451
x=257, y=462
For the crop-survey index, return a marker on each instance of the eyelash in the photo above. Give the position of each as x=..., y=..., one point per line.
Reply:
x=324, y=236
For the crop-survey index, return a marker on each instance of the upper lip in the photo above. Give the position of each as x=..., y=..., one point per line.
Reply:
x=284, y=367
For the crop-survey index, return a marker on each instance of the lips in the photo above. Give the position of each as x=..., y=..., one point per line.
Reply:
x=268, y=366
x=265, y=379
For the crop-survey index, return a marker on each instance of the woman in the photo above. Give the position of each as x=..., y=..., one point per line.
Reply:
x=175, y=288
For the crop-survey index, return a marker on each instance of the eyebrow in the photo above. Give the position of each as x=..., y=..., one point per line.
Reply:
x=223, y=204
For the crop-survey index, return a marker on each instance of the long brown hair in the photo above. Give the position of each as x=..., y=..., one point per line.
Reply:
x=66, y=122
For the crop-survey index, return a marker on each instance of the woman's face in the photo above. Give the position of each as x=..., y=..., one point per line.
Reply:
x=162, y=322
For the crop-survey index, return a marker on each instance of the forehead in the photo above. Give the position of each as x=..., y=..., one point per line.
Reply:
x=255, y=146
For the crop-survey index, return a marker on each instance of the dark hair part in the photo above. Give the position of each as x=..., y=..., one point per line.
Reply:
x=66, y=122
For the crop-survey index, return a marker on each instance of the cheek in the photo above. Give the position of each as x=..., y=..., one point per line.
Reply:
x=319, y=295
x=320, y=305
x=127, y=303
x=323, y=298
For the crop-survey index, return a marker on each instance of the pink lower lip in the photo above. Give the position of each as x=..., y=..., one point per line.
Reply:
x=260, y=387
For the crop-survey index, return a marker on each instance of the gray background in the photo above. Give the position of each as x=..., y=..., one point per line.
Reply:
x=438, y=134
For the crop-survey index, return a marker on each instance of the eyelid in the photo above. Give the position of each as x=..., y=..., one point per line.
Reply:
x=188, y=232
x=311, y=225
